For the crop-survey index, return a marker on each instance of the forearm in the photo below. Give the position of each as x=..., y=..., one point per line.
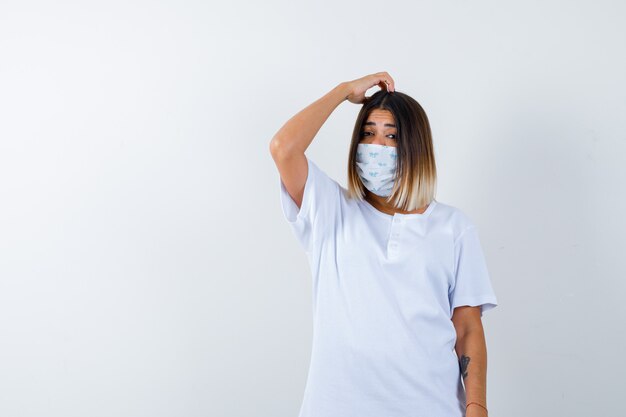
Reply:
x=298, y=132
x=472, y=352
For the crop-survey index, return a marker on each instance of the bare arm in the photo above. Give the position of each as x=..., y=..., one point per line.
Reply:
x=472, y=352
x=294, y=137
x=297, y=133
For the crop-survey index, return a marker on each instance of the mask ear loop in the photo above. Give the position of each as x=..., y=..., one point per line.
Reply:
x=396, y=184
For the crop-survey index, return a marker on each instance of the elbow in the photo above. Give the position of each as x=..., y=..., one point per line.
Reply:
x=279, y=147
x=275, y=146
x=466, y=320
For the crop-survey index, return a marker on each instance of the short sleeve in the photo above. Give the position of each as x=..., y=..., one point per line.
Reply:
x=472, y=284
x=316, y=214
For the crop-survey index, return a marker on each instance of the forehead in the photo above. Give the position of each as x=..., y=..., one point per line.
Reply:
x=378, y=117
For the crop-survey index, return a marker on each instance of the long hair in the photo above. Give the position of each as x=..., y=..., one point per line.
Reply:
x=416, y=173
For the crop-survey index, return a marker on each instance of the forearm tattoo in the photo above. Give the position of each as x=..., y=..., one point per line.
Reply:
x=463, y=364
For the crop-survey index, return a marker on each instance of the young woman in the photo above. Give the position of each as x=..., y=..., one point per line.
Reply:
x=400, y=282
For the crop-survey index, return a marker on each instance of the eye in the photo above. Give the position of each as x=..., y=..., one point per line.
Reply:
x=365, y=133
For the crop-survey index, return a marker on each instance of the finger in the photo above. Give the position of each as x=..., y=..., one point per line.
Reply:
x=386, y=82
x=391, y=84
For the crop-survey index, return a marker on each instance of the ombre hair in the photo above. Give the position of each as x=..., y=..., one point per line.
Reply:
x=416, y=174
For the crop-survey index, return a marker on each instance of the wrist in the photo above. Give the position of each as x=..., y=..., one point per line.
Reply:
x=475, y=409
x=344, y=90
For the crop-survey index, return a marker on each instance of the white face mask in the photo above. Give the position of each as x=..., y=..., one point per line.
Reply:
x=376, y=166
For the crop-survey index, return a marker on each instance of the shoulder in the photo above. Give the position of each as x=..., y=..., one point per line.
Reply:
x=456, y=219
x=320, y=173
x=325, y=182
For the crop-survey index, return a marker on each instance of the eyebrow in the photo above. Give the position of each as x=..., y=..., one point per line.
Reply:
x=374, y=124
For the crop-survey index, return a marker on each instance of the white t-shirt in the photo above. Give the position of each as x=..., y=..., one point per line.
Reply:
x=384, y=288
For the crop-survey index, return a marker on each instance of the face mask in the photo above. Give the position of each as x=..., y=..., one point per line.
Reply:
x=376, y=166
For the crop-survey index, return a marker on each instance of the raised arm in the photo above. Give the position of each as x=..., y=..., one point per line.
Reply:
x=294, y=137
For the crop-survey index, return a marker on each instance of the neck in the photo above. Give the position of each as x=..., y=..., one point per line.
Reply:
x=381, y=204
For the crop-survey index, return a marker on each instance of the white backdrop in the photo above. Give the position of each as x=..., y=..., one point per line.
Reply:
x=145, y=265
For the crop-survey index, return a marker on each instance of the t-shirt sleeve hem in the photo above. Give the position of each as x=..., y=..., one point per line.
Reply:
x=290, y=209
x=486, y=303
